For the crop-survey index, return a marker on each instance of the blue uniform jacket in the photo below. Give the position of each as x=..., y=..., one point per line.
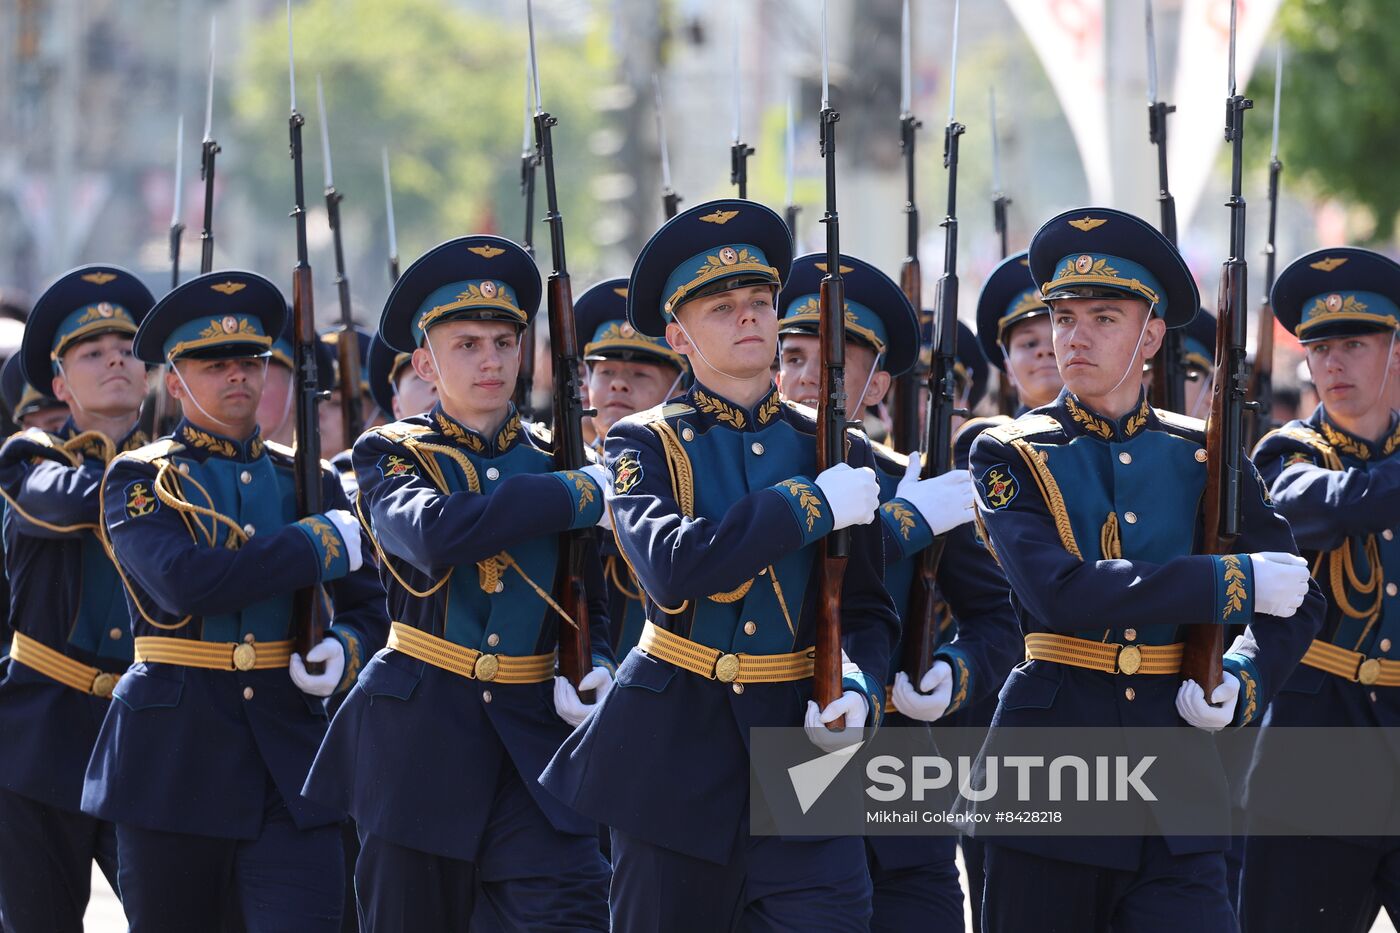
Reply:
x=64, y=593
x=190, y=750
x=470, y=523
x=716, y=509
x=1097, y=525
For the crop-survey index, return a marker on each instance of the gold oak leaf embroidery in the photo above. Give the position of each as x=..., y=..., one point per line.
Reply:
x=1136, y=422
x=1093, y=425
x=1345, y=444
x=209, y=442
x=807, y=500
x=903, y=516
x=1234, y=586
x=769, y=409
x=327, y=535
x=584, y=485
x=455, y=431
x=721, y=411
x=508, y=432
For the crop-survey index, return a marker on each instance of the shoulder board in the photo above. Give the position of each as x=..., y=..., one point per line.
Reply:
x=980, y=424
x=803, y=410
x=1181, y=422
x=889, y=453
x=165, y=447
x=1025, y=426
x=35, y=437
x=540, y=432
x=660, y=413
x=399, y=431
x=1298, y=432
x=280, y=450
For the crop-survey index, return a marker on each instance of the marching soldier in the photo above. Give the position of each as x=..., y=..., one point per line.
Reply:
x=717, y=505
x=333, y=437
x=436, y=751
x=71, y=639
x=1336, y=477
x=202, y=760
x=628, y=372
x=395, y=385
x=1013, y=326
x=28, y=407
x=1092, y=507
x=914, y=877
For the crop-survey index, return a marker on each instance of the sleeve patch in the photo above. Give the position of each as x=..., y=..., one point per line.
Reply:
x=393, y=465
x=140, y=500
x=1298, y=456
x=627, y=472
x=999, y=487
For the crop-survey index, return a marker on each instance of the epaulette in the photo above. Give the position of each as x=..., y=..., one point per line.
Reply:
x=540, y=432
x=660, y=413
x=399, y=431
x=165, y=447
x=282, y=452
x=980, y=424
x=1025, y=426
x=1297, y=432
x=1181, y=422
x=889, y=453
x=34, y=442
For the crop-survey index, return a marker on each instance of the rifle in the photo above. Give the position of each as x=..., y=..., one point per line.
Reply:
x=739, y=151
x=906, y=385
x=389, y=218
x=670, y=201
x=177, y=228
x=529, y=160
x=1168, y=373
x=575, y=654
x=209, y=148
x=347, y=343
x=1225, y=456
x=921, y=629
x=307, y=605
x=790, y=138
x=1006, y=392
x=831, y=413
x=1261, y=377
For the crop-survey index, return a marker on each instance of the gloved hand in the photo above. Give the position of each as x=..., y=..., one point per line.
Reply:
x=945, y=501
x=348, y=527
x=854, y=494
x=851, y=707
x=330, y=653
x=567, y=704
x=1191, y=703
x=1280, y=582
x=937, y=692
x=599, y=474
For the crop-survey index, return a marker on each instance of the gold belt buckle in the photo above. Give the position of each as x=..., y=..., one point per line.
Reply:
x=103, y=685
x=1129, y=659
x=244, y=657
x=726, y=668
x=486, y=667
x=1369, y=672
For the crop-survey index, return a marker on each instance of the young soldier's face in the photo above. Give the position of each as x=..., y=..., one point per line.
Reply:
x=1102, y=343
x=333, y=426
x=1349, y=371
x=228, y=390
x=275, y=408
x=1030, y=358
x=618, y=388
x=733, y=332
x=45, y=419
x=472, y=363
x=413, y=394
x=800, y=373
x=103, y=376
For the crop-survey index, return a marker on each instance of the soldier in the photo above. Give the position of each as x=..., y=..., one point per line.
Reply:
x=395, y=385
x=717, y=504
x=1336, y=477
x=1013, y=326
x=28, y=407
x=201, y=762
x=1101, y=599
x=915, y=878
x=70, y=629
x=333, y=439
x=628, y=372
x=465, y=509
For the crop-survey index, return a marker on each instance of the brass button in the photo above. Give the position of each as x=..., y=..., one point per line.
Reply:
x=185, y=468
x=245, y=477
x=249, y=530
x=1391, y=589
x=244, y=657
x=493, y=473
x=500, y=587
x=750, y=627
x=687, y=435
x=1129, y=659
x=493, y=639
x=738, y=688
x=486, y=667
x=250, y=638
x=1125, y=458
x=1130, y=518
x=1201, y=455
x=103, y=685
x=1370, y=672
x=1385, y=644
x=1388, y=535
x=486, y=696
x=1131, y=694
x=247, y=693
x=726, y=668
x=115, y=633
x=757, y=448
x=1130, y=634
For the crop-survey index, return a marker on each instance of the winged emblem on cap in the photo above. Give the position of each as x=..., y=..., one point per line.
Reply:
x=1328, y=264
x=99, y=278
x=486, y=252
x=620, y=292
x=845, y=270
x=229, y=288
x=1087, y=223
x=720, y=217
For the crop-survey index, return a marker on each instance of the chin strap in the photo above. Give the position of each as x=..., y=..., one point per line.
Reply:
x=694, y=343
x=1136, y=347
x=194, y=398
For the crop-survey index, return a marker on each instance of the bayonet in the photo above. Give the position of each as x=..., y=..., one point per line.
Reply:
x=209, y=149
x=670, y=201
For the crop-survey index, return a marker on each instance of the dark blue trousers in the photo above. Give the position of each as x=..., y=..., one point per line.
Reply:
x=286, y=881
x=46, y=857
x=767, y=884
x=1166, y=894
x=1302, y=884
x=915, y=885
x=974, y=854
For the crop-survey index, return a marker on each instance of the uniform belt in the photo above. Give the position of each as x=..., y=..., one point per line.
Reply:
x=1108, y=657
x=726, y=668
x=214, y=655
x=56, y=665
x=468, y=662
x=1352, y=665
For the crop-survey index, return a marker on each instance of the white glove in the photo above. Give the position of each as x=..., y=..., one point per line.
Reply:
x=1280, y=583
x=599, y=474
x=854, y=494
x=349, y=528
x=330, y=653
x=1191, y=703
x=945, y=501
x=567, y=704
x=849, y=707
x=937, y=692
x=1245, y=644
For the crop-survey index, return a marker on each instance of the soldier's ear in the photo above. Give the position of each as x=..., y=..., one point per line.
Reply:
x=422, y=361
x=1152, y=336
x=677, y=338
x=173, y=386
x=60, y=389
